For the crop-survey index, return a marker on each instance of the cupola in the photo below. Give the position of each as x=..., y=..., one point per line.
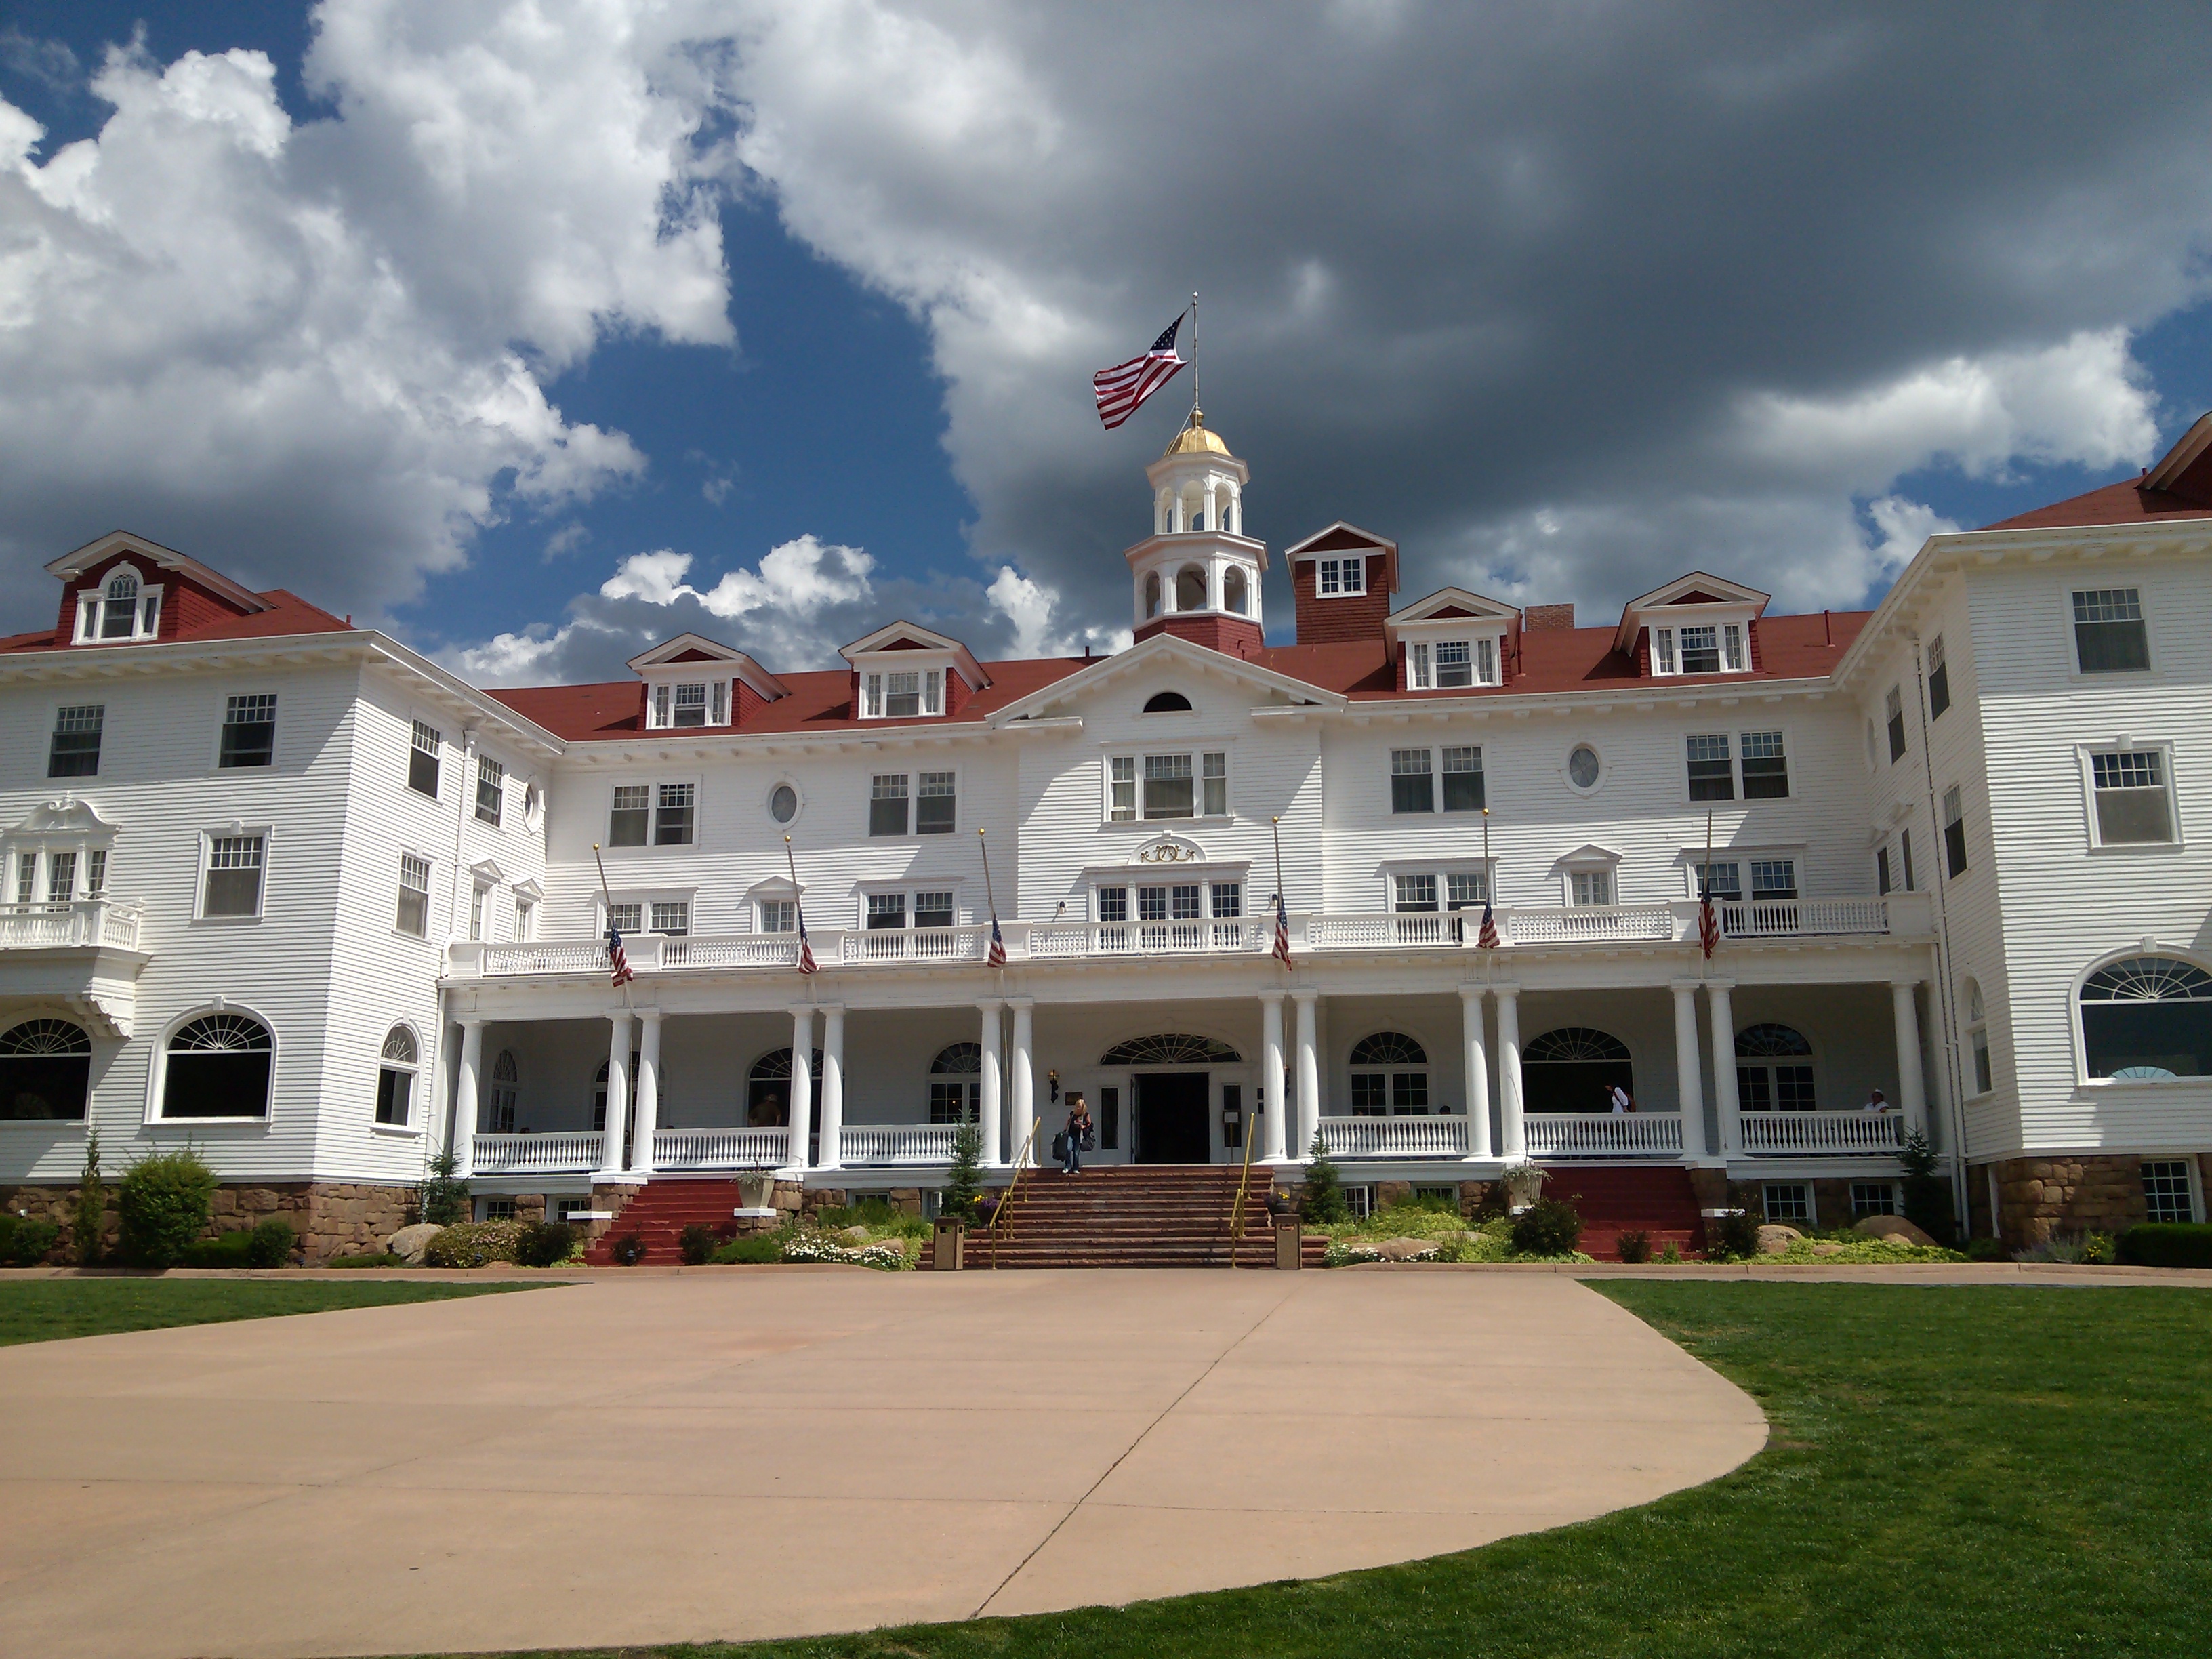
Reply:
x=1197, y=576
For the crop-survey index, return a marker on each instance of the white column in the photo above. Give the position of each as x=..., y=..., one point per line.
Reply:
x=1514, y=1132
x=802, y=1084
x=1724, y=1096
x=832, y=1156
x=1477, y=1061
x=1911, y=1087
x=1309, y=1067
x=464, y=1142
x=649, y=1091
x=1276, y=1121
x=992, y=1108
x=1689, y=1075
x=611, y=1149
x=1021, y=1081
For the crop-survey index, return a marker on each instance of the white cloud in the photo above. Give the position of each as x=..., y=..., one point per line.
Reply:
x=1034, y=612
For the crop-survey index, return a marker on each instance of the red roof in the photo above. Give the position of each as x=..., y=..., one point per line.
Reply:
x=287, y=613
x=2124, y=503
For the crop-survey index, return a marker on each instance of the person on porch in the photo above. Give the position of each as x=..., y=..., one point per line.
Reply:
x=1875, y=1103
x=1621, y=1101
x=1077, y=1134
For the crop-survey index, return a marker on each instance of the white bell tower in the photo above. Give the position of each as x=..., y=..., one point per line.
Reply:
x=1197, y=576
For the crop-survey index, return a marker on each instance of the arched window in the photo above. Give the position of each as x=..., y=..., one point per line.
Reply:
x=1152, y=593
x=1574, y=1068
x=1166, y=702
x=395, y=1077
x=1235, y=592
x=218, y=1066
x=2145, y=1017
x=1977, y=1038
x=1171, y=1048
x=955, y=1091
x=1390, y=1076
x=1164, y=512
x=506, y=1093
x=1232, y=511
x=46, y=1070
x=768, y=1089
x=119, y=620
x=1190, y=588
x=1194, y=511
x=1774, y=1069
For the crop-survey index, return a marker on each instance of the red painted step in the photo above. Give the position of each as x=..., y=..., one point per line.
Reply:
x=1615, y=1199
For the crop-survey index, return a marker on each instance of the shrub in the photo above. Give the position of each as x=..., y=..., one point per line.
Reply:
x=1550, y=1226
x=374, y=1258
x=964, y=1184
x=1927, y=1195
x=1634, y=1246
x=813, y=1247
x=1734, y=1234
x=696, y=1244
x=760, y=1248
x=544, y=1243
x=2167, y=1244
x=1324, y=1201
x=223, y=1251
x=472, y=1243
x=1987, y=1249
x=269, y=1244
x=628, y=1250
x=443, y=1198
x=91, y=1203
x=25, y=1241
x=163, y=1201
x=1670, y=1253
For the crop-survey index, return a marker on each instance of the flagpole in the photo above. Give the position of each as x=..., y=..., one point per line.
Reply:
x=1705, y=896
x=799, y=913
x=1194, y=404
x=608, y=899
x=983, y=846
x=1275, y=827
x=1489, y=897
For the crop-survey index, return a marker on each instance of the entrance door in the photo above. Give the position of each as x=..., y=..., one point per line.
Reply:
x=1172, y=1108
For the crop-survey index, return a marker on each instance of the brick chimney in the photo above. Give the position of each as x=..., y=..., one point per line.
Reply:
x=1548, y=619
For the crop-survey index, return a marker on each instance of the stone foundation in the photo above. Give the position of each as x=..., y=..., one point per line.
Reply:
x=331, y=1217
x=2075, y=1193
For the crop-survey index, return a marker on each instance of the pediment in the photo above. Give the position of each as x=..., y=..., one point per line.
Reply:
x=913, y=636
x=1450, y=604
x=487, y=872
x=687, y=648
x=1146, y=657
x=1591, y=852
x=67, y=817
x=78, y=560
x=1698, y=590
x=1341, y=537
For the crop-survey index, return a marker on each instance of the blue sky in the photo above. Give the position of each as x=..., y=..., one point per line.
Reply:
x=1504, y=320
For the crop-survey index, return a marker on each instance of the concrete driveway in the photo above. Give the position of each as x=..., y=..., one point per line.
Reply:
x=802, y=1450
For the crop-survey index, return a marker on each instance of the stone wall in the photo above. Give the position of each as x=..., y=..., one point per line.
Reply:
x=2075, y=1193
x=331, y=1217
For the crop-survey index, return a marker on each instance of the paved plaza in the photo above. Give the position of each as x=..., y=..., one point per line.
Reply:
x=799, y=1451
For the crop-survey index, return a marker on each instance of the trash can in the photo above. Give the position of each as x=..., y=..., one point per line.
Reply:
x=947, y=1244
x=1287, y=1253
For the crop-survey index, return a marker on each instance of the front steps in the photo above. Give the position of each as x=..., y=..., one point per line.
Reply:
x=1134, y=1215
x=660, y=1212
x=1617, y=1199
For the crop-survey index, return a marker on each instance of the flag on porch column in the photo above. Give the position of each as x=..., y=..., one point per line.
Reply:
x=618, y=958
x=1282, y=932
x=806, y=963
x=997, y=956
x=1708, y=925
x=1487, y=939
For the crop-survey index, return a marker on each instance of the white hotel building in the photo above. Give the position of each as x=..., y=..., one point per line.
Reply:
x=284, y=888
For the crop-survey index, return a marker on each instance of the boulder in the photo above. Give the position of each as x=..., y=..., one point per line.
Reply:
x=409, y=1242
x=1891, y=1226
x=1404, y=1249
x=1826, y=1247
x=1774, y=1238
x=854, y=1235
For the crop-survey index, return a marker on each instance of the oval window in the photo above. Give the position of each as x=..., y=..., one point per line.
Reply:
x=1581, y=766
x=783, y=803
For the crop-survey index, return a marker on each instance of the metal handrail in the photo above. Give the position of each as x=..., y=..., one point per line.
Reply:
x=1243, y=1186
x=1002, y=1212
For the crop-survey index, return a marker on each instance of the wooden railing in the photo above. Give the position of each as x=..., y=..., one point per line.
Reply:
x=547, y=1154
x=66, y=922
x=1443, y=1136
x=1823, y=1133
x=1603, y=1134
x=870, y=1145
x=720, y=1149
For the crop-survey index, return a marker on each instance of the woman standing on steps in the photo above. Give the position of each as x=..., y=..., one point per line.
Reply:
x=1077, y=1135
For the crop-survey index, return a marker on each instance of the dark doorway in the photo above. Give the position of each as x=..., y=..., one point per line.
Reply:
x=1171, y=1108
x=1578, y=1086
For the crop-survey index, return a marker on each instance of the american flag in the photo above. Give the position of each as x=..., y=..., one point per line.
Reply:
x=1487, y=939
x=618, y=958
x=806, y=963
x=1122, y=389
x=1708, y=925
x=1282, y=932
x=998, y=956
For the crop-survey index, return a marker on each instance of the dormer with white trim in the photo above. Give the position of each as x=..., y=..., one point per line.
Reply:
x=1341, y=580
x=905, y=671
x=692, y=681
x=123, y=589
x=1452, y=641
x=1197, y=576
x=1696, y=624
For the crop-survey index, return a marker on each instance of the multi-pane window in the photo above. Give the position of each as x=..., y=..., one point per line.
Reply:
x=672, y=917
x=233, y=876
x=886, y=911
x=1701, y=650
x=95, y=872
x=887, y=803
x=690, y=706
x=1939, y=680
x=778, y=915
x=1113, y=904
x=1466, y=890
x=1414, y=894
x=26, y=877
x=625, y=918
x=1590, y=887
x=74, y=749
x=1335, y=578
x=934, y=801
x=627, y=823
x=249, y=731
x=1121, y=789
x=526, y=919
x=1977, y=1038
x=2166, y=1194
x=423, y=747
x=2132, y=805
x=414, y=911
x=1413, y=784
x=1893, y=714
x=1463, y=778
x=1873, y=1198
x=1905, y=858
x=904, y=694
x=1725, y=875
x=1711, y=775
x=2109, y=636
x=1882, y=880
x=478, y=894
x=1227, y=898
x=1454, y=666
x=1765, y=767
x=1174, y=785
x=673, y=814
x=395, y=1078
x=1168, y=787
x=61, y=877
x=491, y=789
x=934, y=910
x=1774, y=878
x=1954, y=832
x=1182, y=901
x=1451, y=665
x=1788, y=1201
x=1213, y=782
x=120, y=616
x=1389, y=1073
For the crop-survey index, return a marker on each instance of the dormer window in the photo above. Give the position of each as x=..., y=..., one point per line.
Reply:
x=902, y=693
x=690, y=703
x=1339, y=578
x=1451, y=665
x=123, y=609
x=1698, y=648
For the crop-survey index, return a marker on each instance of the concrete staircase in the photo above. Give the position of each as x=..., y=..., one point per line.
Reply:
x=1616, y=1199
x=1135, y=1215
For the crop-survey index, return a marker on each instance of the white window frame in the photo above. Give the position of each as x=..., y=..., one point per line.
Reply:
x=429, y=872
x=222, y=719
x=652, y=786
x=1330, y=570
x=1199, y=753
x=2190, y=1168
x=227, y=832
x=54, y=730
x=526, y=917
x=492, y=763
x=414, y=1071
x=932, y=671
x=1810, y=1220
x=417, y=728
x=2089, y=584
x=1731, y=639
x=157, y=1072
x=1585, y=864
x=2085, y=757
x=1443, y=871
x=644, y=899
x=1977, y=1039
x=1486, y=652
x=146, y=609
x=963, y=916
x=1604, y=767
x=664, y=700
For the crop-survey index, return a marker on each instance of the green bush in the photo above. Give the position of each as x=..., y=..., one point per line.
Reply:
x=628, y=1250
x=1550, y=1226
x=1927, y=1195
x=91, y=1204
x=1633, y=1246
x=1323, y=1202
x=1733, y=1234
x=473, y=1243
x=26, y=1242
x=1987, y=1249
x=374, y=1258
x=544, y=1243
x=163, y=1201
x=224, y=1250
x=696, y=1244
x=2167, y=1244
x=270, y=1242
x=876, y=1216
x=760, y=1248
x=443, y=1198
x=963, y=1182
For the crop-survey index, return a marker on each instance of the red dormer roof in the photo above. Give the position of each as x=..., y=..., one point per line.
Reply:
x=2178, y=487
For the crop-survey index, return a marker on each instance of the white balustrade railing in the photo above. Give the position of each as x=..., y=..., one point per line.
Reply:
x=740, y=951
x=1603, y=1134
x=65, y=922
x=1228, y=936
x=913, y=945
x=1382, y=931
x=546, y=1154
x=1795, y=1132
x=1769, y=918
x=720, y=1149
x=1589, y=923
x=877, y=1144
x=1395, y=1137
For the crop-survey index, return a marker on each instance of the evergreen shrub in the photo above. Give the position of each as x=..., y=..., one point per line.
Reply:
x=544, y=1243
x=25, y=1241
x=1323, y=1203
x=223, y=1251
x=443, y=1198
x=91, y=1204
x=1927, y=1195
x=373, y=1259
x=697, y=1244
x=1734, y=1234
x=761, y=1248
x=1550, y=1226
x=1634, y=1246
x=163, y=1201
x=2167, y=1244
x=628, y=1250
x=270, y=1243
x=963, y=1185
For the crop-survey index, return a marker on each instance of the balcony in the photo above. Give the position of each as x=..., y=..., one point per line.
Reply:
x=82, y=954
x=1831, y=1134
x=1603, y=1134
x=66, y=923
x=1326, y=933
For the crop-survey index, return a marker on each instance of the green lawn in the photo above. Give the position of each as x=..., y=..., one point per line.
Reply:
x=1994, y=1471
x=47, y=1309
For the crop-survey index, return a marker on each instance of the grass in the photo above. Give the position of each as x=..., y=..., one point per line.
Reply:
x=48, y=1309
x=1974, y=1472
